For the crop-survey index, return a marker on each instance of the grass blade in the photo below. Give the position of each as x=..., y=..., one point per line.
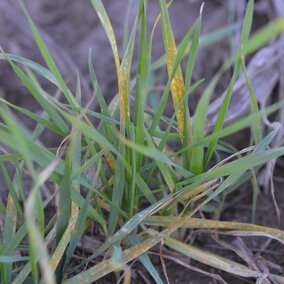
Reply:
x=197, y=223
x=64, y=199
x=177, y=83
x=211, y=259
x=198, y=130
x=117, y=192
x=49, y=60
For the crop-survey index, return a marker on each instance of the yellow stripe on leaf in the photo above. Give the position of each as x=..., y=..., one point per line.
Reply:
x=177, y=84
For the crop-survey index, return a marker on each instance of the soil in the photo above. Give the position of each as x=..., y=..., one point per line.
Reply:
x=71, y=28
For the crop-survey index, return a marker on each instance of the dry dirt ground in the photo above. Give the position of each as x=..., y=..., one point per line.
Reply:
x=71, y=28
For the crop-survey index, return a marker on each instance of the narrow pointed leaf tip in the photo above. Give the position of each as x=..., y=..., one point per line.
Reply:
x=201, y=9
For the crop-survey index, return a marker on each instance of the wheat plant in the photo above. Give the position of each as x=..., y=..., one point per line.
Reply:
x=115, y=177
